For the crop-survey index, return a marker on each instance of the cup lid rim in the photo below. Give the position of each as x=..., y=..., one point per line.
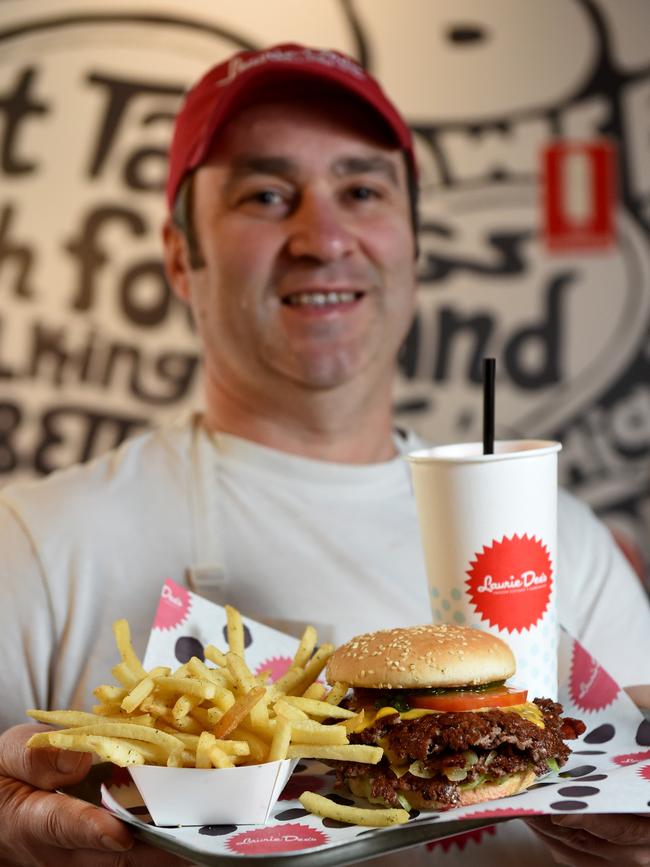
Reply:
x=473, y=452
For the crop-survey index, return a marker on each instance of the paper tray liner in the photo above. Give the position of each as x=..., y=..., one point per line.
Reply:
x=608, y=772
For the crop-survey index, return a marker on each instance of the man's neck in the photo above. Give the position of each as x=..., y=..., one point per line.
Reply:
x=320, y=427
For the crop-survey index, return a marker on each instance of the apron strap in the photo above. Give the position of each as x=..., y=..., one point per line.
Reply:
x=206, y=575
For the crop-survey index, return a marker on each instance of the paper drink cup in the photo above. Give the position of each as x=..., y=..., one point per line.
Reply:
x=211, y=796
x=489, y=531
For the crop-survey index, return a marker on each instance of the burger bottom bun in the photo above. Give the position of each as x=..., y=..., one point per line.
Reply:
x=484, y=792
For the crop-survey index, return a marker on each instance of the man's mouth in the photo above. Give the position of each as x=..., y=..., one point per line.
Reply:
x=321, y=299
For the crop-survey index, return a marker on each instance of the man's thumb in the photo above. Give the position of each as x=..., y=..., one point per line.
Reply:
x=66, y=766
x=44, y=768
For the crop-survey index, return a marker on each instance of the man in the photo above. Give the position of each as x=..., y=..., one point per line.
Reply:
x=293, y=242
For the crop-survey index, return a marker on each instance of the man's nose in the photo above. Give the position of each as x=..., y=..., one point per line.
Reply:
x=320, y=229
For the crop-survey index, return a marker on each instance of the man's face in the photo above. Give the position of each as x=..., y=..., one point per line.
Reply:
x=309, y=274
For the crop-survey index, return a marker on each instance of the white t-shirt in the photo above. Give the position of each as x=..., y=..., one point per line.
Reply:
x=288, y=540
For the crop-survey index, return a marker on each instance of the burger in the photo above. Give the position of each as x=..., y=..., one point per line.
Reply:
x=452, y=732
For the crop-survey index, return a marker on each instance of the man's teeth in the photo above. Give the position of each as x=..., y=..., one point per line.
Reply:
x=321, y=299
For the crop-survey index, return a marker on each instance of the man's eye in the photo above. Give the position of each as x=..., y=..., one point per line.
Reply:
x=363, y=194
x=267, y=197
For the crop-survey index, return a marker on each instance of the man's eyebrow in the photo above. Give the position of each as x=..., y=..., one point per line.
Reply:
x=249, y=164
x=367, y=164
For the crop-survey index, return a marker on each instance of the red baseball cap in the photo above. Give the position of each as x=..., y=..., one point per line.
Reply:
x=230, y=86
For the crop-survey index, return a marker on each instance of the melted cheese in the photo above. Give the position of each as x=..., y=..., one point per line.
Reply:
x=527, y=711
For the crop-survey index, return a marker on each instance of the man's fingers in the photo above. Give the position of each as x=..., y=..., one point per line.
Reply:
x=50, y=768
x=623, y=829
x=143, y=855
x=561, y=852
x=580, y=848
x=546, y=826
x=60, y=821
x=41, y=768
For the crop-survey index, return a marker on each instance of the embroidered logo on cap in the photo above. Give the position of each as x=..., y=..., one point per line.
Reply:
x=239, y=64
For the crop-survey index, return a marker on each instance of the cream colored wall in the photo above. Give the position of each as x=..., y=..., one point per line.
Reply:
x=92, y=345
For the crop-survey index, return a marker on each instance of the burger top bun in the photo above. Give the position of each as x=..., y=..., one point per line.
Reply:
x=421, y=656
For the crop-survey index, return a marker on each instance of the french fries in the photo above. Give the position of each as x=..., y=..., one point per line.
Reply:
x=217, y=713
x=210, y=714
x=319, y=708
x=337, y=693
x=305, y=648
x=350, y=753
x=313, y=668
x=376, y=818
x=239, y=710
x=120, y=752
x=137, y=695
x=308, y=732
x=281, y=741
x=235, y=631
x=130, y=660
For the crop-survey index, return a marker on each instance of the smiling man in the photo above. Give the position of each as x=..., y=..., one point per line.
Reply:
x=301, y=210
x=292, y=237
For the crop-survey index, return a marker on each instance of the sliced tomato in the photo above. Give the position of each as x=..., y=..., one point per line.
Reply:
x=500, y=696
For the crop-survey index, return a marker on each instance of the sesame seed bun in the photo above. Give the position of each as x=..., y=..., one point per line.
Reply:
x=421, y=656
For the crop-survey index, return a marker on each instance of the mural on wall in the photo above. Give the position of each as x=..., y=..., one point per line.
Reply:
x=532, y=127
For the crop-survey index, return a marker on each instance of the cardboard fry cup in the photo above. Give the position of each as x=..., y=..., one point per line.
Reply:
x=212, y=796
x=184, y=624
x=489, y=531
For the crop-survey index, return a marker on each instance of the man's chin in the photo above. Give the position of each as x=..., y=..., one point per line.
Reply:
x=325, y=373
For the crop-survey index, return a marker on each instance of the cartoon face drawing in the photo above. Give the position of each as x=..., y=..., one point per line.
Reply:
x=458, y=48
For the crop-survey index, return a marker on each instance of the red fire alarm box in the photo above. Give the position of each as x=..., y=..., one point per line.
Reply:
x=578, y=194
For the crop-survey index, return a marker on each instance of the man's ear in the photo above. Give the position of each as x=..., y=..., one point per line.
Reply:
x=176, y=259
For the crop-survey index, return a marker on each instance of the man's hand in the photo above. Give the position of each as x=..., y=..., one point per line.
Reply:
x=586, y=840
x=39, y=827
x=595, y=840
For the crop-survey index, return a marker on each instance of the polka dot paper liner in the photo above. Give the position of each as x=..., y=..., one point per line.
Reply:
x=631, y=758
x=612, y=744
x=292, y=828
x=461, y=841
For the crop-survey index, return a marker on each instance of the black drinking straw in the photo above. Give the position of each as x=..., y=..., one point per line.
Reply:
x=489, y=368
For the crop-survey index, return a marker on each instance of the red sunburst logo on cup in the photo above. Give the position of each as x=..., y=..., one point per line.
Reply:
x=645, y=772
x=510, y=582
